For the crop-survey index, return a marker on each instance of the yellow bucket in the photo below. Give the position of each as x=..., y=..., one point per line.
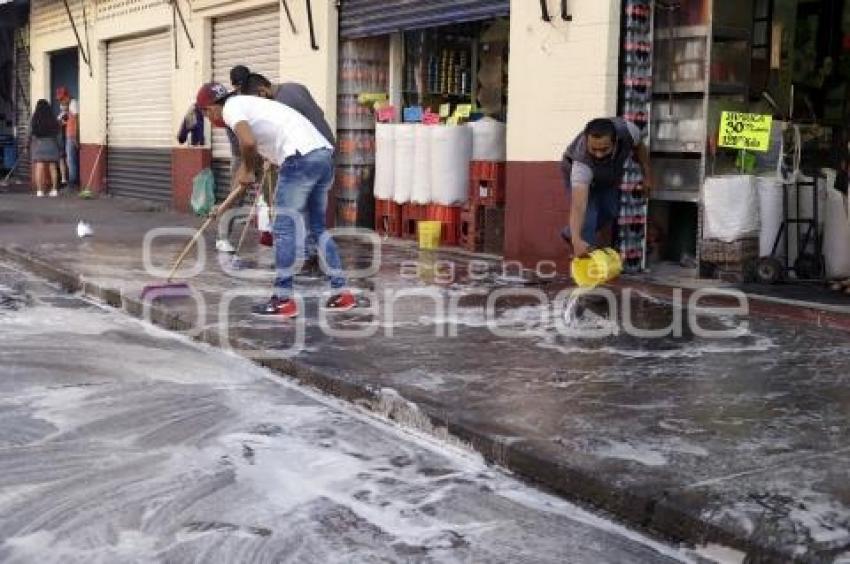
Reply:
x=430, y=234
x=601, y=266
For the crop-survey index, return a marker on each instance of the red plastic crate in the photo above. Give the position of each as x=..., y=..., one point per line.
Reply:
x=411, y=214
x=487, y=183
x=449, y=216
x=388, y=218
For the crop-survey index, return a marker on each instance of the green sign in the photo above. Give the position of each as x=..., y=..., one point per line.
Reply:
x=748, y=132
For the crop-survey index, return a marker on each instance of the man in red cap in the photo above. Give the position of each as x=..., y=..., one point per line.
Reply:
x=284, y=137
x=71, y=120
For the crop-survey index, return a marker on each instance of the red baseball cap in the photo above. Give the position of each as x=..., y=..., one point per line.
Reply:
x=62, y=92
x=210, y=93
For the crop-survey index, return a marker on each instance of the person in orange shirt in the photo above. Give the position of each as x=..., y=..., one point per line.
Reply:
x=72, y=135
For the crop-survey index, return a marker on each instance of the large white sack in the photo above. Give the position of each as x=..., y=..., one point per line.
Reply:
x=421, y=193
x=405, y=146
x=731, y=208
x=384, y=161
x=489, y=140
x=836, y=239
x=770, y=214
x=451, y=153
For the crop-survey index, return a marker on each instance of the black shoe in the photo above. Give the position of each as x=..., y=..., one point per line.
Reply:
x=286, y=308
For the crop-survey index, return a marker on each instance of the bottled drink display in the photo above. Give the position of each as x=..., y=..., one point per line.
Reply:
x=437, y=64
x=363, y=68
x=635, y=107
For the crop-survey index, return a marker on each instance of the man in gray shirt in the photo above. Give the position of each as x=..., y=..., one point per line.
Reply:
x=291, y=94
x=593, y=167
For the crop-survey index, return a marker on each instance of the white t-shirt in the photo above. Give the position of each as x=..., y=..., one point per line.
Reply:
x=583, y=174
x=279, y=130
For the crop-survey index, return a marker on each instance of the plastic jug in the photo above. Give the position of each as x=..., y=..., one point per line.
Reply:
x=599, y=267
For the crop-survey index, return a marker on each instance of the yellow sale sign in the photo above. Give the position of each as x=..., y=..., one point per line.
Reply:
x=750, y=132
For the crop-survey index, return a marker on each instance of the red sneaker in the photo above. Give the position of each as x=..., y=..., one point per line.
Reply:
x=344, y=301
x=275, y=306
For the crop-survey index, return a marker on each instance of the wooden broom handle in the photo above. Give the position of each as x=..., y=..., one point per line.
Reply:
x=224, y=205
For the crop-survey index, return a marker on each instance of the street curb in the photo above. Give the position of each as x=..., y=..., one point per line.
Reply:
x=653, y=512
x=818, y=315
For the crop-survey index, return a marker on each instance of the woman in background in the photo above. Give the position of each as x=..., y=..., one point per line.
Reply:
x=44, y=148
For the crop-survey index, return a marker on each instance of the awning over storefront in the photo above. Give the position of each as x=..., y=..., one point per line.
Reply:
x=364, y=18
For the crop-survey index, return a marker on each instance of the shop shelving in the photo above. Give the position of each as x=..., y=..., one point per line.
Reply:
x=702, y=67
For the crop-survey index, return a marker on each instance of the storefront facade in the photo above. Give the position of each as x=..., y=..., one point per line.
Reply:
x=560, y=70
x=133, y=89
x=139, y=71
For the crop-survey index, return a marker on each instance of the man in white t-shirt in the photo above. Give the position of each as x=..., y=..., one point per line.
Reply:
x=282, y=136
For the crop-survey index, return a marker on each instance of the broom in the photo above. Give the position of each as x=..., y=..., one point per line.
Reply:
x=170, y=289
x=238, y=262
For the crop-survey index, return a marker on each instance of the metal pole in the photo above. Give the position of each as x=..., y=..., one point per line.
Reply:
x=174, y=33
x=86, y=27
x=76, y=33
x=183, y=23
x=544, y=8
x=289, y=16
x=313, y=43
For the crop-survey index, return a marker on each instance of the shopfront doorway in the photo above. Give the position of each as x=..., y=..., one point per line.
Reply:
x=64, y=71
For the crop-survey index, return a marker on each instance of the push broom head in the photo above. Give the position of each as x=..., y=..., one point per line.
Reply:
x=171, y=290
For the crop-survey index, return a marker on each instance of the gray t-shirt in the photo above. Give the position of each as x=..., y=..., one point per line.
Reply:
x=297, y=97
x=583, y=174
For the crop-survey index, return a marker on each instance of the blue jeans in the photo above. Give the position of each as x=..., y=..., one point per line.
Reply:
x=603, y=207
x=302, y=196
x=73, y=157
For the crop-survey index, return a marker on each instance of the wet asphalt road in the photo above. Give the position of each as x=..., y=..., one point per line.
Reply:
x=122, y=443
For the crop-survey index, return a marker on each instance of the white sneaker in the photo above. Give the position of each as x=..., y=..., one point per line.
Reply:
x=39, y=194
x=224, y=246
x=54, y=193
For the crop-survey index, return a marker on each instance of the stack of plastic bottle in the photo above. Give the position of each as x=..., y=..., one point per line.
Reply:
x=636, y=103
x=363, y=68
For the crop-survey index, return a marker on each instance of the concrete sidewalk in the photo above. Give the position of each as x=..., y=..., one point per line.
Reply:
x=740, y=442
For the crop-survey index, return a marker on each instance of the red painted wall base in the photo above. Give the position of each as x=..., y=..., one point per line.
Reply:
x=186, y=163
x=536, y=210
x=93, y=167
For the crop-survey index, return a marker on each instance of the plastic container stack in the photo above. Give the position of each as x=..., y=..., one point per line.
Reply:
x=363, y=68
x=429, y=173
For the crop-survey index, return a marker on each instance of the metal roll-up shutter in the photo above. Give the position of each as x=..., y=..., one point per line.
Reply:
x=22, y=101
x=138, y=107
x=364, y=18
x=251, y=39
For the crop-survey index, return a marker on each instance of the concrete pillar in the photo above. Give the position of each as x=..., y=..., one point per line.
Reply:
x=561, y=75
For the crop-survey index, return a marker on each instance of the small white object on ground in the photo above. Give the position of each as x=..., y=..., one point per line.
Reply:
x=224, y=246
x=84, y=230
